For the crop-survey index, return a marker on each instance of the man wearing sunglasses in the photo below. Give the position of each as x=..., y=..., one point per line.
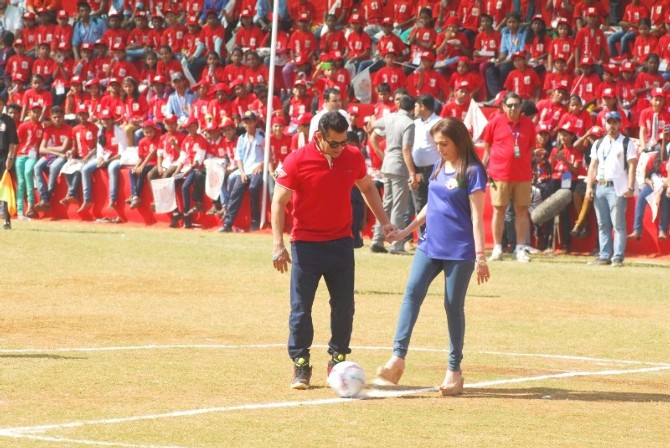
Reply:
x=509, y=140
x=318, y=178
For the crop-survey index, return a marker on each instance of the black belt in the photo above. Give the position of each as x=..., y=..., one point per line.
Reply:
x=606, y=183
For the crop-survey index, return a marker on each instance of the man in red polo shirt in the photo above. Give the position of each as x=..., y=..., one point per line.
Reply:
x=509, y=140
x=318, y=179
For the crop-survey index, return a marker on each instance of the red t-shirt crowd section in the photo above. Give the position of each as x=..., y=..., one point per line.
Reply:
x=176, y=79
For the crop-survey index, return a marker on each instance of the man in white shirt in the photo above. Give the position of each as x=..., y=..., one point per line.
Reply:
x=424, y=151
x=611, y=177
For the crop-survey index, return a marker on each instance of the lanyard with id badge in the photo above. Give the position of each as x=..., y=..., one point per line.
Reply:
x=516, y=132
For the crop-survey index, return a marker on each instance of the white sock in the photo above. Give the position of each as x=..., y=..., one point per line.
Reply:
x=519, y=247
x=497, y=248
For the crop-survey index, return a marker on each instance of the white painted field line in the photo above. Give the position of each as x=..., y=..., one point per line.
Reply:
x=31, y=430
x=81, y=441
x=565, y=375
x=137, y=347
x=281, y=345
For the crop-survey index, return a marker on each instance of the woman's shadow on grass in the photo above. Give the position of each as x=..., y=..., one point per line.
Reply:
x=545, y=393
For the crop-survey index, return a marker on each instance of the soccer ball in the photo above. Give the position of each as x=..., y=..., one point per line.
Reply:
x=347, y=379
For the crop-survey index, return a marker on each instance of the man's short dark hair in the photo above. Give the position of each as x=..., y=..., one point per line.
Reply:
x=329, y=91
x=83, y=5
x=427, y=101
x=333, y=121
x=57, y=110
x=406, y=103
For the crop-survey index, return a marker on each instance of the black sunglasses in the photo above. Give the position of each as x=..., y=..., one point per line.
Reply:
x=513, y=105
x=335, y=145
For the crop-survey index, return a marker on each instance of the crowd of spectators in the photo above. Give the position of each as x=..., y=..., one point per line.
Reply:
x=187, y=81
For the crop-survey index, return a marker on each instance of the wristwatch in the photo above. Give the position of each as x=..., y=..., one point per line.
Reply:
x=481, y=262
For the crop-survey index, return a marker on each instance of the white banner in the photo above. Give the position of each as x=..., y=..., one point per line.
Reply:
x=475, y=120
x=165, y=199
x=216, y=173
x=362, y=85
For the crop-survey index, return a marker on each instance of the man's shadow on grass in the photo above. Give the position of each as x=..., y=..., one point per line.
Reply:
x=40, y=356
x=544, y=393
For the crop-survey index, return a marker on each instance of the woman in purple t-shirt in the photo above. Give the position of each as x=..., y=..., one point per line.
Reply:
x=453, y=243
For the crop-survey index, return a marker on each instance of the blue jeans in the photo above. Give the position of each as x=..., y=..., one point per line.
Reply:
x=422, y=273
x=334, y=261
x=237, y=190
x=87, y=179
x=195, y=178
x=611, y=214
x=137, y=180
x=641, y=204
x=626, y=38
x=53, y=166
x=73, y=181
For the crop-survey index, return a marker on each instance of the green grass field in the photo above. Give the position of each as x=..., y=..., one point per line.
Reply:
x=122, y=336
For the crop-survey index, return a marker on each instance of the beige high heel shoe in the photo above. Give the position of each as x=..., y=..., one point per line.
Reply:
x=390, y=376
x=451, y=388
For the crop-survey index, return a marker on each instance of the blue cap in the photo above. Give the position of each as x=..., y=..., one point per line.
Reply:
x=613, y=114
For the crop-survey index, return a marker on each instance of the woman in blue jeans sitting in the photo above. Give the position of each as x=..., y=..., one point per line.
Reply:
x=453, y=243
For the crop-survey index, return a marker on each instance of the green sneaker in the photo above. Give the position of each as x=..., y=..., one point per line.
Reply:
x=302, y=372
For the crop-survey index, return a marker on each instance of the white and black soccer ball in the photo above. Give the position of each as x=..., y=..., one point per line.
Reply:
x=347, y=379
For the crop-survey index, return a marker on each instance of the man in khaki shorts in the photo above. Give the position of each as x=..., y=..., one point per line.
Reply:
x=509, y=139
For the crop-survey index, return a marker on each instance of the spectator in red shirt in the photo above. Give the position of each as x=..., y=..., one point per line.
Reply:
x=84, y=143
x=459, y=103
x=359, y=45
x=19, y=63
x=523, y=80
x=147, y=151
x=586, y=84
x=625, y=87
x=391, y=74
x=37, y=94
x=509, y=141
x=257, y=73
x=121, y=67
x=30, y=33
x=280, y=144
x=463, y=73
x=29, y=133
x=550, y=110
x=115, y=33
x=563, y=44
x=173, y=33
x=645, y=43
x=559, y=77
x=167, y=64
x=55, y=144
x=334, y=38
x=302, y=46
x=248, y=36
x=486, y=47
x=590, y=41
x=425, y=80
x=537, y=44
x=632, y=15
x=298, y=105
x=451, y=45
x=422, y=37
x=75, y=96
x=136, y=109
x=63, y=31
x=44, y=65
